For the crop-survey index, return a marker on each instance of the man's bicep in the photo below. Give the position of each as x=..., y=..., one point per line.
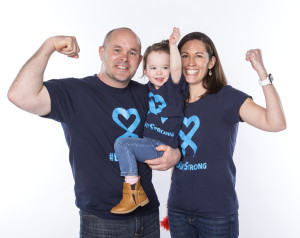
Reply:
x=42, y=106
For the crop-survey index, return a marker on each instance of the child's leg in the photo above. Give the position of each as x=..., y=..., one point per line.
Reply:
x=131, y=179
x=130, y=150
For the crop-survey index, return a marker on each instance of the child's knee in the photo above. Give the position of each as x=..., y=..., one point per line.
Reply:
x=120, y=143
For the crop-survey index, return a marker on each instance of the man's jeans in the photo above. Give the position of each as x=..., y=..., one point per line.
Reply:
x=140, y=226
x=129, y=150
x=193, y=226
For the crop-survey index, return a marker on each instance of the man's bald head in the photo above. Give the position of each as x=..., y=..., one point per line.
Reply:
x=111, y=33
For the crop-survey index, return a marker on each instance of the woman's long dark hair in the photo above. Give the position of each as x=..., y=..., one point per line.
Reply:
x=217, y=80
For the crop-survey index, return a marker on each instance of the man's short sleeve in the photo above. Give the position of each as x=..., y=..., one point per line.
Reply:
x=62, y=96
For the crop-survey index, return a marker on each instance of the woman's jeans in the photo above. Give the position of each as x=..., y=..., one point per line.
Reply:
x=140, y=226
x=192, y=226
x=129, y=150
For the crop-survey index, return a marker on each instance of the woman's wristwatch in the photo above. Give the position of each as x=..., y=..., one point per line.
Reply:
x=266, y=81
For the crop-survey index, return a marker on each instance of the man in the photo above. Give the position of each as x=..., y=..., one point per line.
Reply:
x=94, y=112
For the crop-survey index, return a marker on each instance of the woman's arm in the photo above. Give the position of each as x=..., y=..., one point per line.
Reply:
x=272, y=117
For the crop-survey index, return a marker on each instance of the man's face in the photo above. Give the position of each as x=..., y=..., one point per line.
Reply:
x=120, y=58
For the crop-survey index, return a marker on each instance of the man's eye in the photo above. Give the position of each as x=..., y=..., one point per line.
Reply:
x=133, y=53
x=117, y=50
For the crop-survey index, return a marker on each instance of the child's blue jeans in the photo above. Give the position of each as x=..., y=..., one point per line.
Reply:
x=129, y=150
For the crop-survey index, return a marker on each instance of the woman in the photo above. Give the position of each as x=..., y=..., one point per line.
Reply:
x=202, y=199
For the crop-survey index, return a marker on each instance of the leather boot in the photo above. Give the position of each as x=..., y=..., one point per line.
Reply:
x=133, y=197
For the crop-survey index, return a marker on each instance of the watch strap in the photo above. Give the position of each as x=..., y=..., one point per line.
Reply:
x=266, y=81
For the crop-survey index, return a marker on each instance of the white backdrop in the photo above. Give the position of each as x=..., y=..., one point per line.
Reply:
x=36, y=183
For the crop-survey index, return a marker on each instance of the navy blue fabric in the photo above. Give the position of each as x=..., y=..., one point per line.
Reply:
x=166, y=111
x=193, y=226
x=93, y=115
x=146, y=226
x=203, y=182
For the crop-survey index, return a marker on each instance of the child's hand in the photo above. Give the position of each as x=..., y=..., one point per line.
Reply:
x=175, y=36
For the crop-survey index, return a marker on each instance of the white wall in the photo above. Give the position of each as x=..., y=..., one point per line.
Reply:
x=36, y=183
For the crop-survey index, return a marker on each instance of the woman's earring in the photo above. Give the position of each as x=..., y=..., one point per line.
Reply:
x=209, y=72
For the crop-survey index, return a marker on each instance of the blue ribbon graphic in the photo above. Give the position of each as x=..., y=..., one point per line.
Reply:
x=187, y=139
x=126, y=114
x=152, y=107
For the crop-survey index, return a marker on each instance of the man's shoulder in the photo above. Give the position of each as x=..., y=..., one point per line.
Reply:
x=138, y=86
x=70, y=81
x=84, y=80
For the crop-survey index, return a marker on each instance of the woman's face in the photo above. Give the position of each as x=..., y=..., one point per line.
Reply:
x=195, y=61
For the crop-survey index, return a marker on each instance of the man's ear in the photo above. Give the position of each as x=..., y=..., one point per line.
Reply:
x=101, y=52
x=141, y=58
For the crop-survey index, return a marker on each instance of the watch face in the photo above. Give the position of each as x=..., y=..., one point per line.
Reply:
x=271, y=77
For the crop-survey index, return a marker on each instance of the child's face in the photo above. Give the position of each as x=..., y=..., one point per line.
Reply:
x=158, y=68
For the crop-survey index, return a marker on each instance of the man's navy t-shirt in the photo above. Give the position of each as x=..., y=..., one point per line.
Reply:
x=93, y=115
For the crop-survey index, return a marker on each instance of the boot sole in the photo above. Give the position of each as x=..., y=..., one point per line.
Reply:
x=131, y=210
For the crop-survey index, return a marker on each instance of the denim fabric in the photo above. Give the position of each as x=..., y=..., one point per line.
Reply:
x=141, y=226
x=129, y=150
x=186, y=225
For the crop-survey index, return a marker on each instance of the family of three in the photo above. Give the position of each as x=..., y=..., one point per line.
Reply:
x=185, y=118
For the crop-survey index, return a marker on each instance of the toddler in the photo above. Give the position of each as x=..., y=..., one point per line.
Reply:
x=162, y=66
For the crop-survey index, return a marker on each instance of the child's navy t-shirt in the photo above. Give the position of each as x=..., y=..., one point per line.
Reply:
x=166, y=111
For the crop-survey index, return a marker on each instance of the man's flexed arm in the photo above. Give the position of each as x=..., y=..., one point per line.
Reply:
x=27, y=91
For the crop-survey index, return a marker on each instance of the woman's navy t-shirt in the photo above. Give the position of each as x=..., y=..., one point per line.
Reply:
x=203, y=182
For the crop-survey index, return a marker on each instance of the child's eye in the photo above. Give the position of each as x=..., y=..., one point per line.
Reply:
x=165, y=67
x=117, y=50
x=184, y=56
x=153, y=68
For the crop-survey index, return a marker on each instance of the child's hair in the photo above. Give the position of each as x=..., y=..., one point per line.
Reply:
x=161, y=46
